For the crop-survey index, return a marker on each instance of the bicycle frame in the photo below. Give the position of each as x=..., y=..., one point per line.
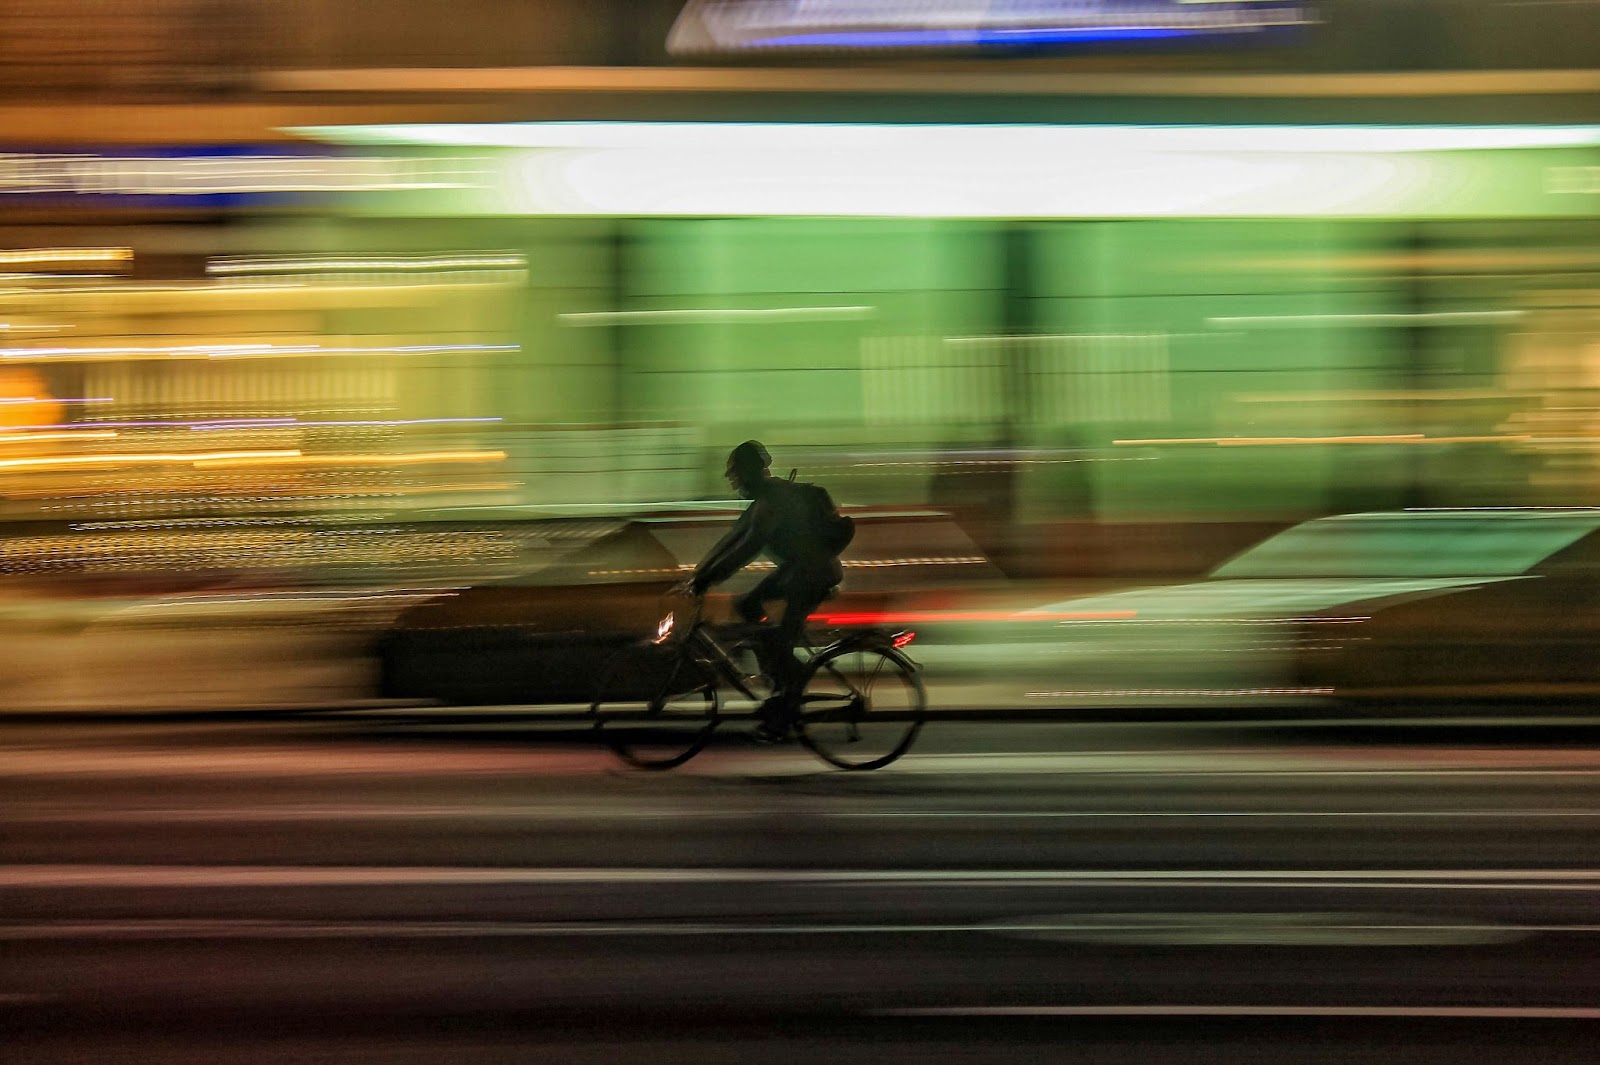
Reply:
x=701, y=642
x=830, y=720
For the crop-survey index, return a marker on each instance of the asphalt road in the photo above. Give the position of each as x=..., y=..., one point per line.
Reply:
x=454, y=887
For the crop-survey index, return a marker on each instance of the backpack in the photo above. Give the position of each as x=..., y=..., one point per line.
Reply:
x=830, y=527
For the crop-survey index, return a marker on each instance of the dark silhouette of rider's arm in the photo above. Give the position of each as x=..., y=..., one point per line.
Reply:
x=737, y=549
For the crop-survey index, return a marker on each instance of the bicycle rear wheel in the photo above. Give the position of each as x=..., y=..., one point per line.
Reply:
x=862, y=707
x=655, y=706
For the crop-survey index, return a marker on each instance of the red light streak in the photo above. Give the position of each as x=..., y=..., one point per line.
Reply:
x=913, y=617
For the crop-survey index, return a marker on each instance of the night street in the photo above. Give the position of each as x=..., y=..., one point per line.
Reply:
x=406, y=886
x=856, y=532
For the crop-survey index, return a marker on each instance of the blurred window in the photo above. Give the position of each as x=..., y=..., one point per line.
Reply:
x=1418, y=544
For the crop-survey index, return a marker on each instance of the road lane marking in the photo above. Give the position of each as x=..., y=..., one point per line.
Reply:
x=1090, y=814
x=1250, y=927
x=212, y=876
x=1587, y=1013
x=325, y=812
x=712, y=766
x=677, y=814
x=276, y=762
x=1091, y=931
x=292, y=761
x=909, y=766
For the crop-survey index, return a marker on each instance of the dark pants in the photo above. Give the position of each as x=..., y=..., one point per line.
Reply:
x=801, y=589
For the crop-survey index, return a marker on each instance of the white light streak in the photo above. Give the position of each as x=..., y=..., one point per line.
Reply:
x=968, y=171
x=696, y=316
x=954, y=140
x=1293, y=321
x=354, y=264
x=1142, y=693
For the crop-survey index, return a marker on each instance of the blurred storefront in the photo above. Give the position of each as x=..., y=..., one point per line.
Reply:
x=1057, y=328
x=274, y=299
x=197, y=376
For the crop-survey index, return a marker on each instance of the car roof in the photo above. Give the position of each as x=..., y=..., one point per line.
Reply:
x=1430, y=542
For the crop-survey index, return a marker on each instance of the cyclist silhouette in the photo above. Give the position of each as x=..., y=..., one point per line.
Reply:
x=797, y=525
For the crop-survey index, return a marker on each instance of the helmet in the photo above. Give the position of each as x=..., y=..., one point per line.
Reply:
x=749, y=459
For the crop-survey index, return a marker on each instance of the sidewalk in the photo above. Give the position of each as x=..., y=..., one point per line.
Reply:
x=256, y=650
x=305, y=650
x=265, y=650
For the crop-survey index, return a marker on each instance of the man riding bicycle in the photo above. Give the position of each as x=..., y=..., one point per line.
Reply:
x=799, y=528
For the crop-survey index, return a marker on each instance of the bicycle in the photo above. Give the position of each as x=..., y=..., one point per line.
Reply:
x=860, y=704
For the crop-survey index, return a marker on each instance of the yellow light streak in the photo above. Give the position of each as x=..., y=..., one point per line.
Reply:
x=28, y=438
x=66, y=255
x=1277, y=441
x=153, y=458
x=295, y=458
x=1268, y=441
x=239, y=351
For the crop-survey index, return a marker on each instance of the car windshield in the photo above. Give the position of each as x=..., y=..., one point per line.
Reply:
x=1413, y=544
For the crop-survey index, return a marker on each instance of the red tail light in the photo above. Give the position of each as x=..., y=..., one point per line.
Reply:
x=900, y=639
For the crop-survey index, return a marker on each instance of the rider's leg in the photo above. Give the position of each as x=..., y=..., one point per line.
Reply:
x=751, y=608
x=801, y=592
x=803, y=597
x=752, y=605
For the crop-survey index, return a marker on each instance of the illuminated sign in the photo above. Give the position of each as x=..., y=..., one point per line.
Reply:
x=217, y=176
x=712, y=169
x=730, y=26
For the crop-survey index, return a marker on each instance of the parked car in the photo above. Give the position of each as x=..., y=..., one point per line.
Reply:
x=543, y=637
x=1416, y=605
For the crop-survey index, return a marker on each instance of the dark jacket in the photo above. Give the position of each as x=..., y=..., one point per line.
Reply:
x=780, y=522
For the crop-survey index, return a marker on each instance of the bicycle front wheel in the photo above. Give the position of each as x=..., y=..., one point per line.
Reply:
x=655, y=707
x=862, y=707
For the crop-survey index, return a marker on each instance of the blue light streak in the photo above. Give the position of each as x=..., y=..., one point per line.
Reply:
x=968, y=38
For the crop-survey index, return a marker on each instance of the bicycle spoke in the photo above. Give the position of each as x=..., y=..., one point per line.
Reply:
x=861, y=707
x=655, y=707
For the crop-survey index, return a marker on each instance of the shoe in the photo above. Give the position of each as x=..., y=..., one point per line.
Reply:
x=774, y=726
x=768, y=735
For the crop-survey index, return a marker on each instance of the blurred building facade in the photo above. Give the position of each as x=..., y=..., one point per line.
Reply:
x=232, y=342
x=200, y=49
